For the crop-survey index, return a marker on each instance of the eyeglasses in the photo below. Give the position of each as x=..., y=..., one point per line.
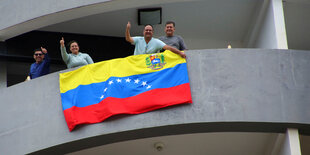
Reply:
x=38, y=54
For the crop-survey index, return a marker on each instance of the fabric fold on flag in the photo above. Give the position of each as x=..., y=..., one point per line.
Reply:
x=130, y=85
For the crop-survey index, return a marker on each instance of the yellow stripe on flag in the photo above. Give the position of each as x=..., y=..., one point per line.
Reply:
x=122, y=67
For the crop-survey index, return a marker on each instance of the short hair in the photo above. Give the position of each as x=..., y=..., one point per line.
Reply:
x=148, y=25
x=170, y=22
x=72, y=41
x=37, y=49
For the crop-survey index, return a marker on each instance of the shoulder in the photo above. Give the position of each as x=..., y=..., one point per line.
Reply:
x=162, y=37
x=177, y=36
x=84, y=54
x=156, y=40
x=137, y=38
x=33, y=65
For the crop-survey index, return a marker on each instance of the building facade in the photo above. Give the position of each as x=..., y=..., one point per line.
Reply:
x=251, y=99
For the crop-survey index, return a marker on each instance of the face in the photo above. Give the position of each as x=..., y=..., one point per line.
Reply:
x=148, y=31
x=74, y=48
x=169, y=29
x=38, y=56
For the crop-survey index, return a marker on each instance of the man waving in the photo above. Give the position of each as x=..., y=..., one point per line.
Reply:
x=147, y=44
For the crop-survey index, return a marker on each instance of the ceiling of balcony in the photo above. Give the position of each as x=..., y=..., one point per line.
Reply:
x=191, y=144
x=210, y=20
x=227, y=143
x=221, y=19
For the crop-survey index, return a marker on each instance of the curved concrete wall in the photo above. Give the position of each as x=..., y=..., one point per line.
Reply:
x=252, y=90
x=35, y=14
x=30, y=9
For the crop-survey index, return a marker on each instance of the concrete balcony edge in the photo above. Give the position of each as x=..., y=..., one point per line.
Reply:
x=233, y=90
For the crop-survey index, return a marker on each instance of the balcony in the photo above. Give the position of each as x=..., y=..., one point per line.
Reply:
x=245, y=91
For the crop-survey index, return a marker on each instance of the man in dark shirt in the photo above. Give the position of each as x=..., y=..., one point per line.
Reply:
x=171, y=39
x=41, y=66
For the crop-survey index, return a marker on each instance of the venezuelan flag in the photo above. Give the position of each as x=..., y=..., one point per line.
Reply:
x=130, y=85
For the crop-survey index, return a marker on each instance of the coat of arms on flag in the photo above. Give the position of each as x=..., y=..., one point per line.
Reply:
x=155, y=61
x=98, y=91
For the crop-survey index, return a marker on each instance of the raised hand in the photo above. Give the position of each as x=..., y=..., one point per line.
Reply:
x=128, y=25
x=44, y=50
x=62, y=42
x=128, y=37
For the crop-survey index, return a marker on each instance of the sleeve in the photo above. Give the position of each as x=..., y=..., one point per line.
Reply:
x=46, y=58
x=46, y=61
x=182, y=44
x=160, y=44
x=64, y=54
x=135, y=40
x=161, y=38
x=89, y=59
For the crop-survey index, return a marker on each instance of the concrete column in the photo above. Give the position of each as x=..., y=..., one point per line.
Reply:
x=268, y=30
x=294, y=142
x=285, y=144
x=278, y=15
x=291, y=144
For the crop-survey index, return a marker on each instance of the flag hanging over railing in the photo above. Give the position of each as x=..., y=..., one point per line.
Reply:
x=130, y=85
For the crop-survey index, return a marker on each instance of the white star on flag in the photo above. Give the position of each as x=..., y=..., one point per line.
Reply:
x=137, y=81
x=110, y=82
x=119, y=80
x=105, y=89
x=148, y=86
x=144, y=83
x=102, y=96
x=128, y=80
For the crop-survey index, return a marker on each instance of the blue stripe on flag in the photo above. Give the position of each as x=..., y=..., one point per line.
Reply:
x=123, y=87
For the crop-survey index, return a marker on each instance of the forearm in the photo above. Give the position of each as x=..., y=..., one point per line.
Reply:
x=174, y=50
x=64, y=54
x=128, y=37
x=46, y=58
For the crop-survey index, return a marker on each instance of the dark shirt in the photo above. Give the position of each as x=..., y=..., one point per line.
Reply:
x=40, y=69
x=174, y=41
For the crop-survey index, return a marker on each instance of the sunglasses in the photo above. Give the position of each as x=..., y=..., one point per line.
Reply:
x=38, y=54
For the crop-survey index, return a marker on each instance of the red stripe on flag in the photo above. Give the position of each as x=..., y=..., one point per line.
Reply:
x=148, y=101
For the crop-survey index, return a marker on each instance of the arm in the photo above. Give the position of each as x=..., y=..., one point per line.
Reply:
x=46, y=57
x=174, y=50
x=182, y=44
x=128, y=37
x=64, y=54
x=89, y=59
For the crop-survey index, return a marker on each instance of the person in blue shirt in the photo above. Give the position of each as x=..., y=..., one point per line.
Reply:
x=147, y=44
x=41, y=66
